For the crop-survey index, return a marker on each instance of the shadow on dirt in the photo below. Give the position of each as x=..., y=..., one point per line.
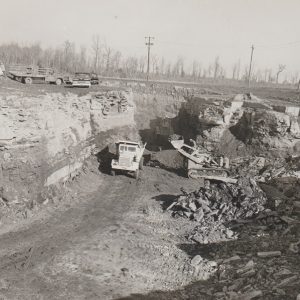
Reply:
x=192, y=250
x=195, y=291
x=104, y=158
x=200, y=289
x=161, y=128
x=165, y=200
x=156, y=164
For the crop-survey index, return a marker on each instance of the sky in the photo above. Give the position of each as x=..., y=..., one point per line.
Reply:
x=192, y=29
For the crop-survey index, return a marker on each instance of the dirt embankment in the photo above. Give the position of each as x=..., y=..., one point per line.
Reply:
x=45, y=139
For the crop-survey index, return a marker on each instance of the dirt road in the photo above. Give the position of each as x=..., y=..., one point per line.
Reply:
x=112, y=242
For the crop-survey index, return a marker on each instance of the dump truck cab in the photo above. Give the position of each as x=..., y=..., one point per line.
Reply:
x=129, y=157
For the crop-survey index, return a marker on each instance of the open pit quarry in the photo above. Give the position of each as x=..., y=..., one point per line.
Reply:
x=70, y=230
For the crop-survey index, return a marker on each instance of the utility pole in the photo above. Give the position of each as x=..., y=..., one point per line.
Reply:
x=149, y=44
x=249, y=76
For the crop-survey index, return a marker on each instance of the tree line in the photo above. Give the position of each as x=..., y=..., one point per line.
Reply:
x=106, y=61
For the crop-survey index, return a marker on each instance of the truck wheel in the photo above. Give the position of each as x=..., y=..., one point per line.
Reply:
x=113, y=173
x=58, y=81
x=141, y=165
x=28, y=80
x=136, y=174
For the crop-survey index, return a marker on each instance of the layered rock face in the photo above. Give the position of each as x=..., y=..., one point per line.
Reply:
x=45, y=139
x=242, y=126
x=268, y=131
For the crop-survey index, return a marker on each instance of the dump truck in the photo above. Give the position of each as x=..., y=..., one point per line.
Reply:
x=200, y=163
x=33, y=74
x=129, y=158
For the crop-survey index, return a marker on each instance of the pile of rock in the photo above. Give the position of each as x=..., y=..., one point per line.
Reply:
x=117, y=101
x=220, y=201
x=216, y=204
x=263, y=276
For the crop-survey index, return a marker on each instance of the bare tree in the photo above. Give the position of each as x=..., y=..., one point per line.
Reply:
x=96, y=48
x=233, y=71
x=154, y=60
x=82, y=58
x=131, y=66
x=245, y=73
x=195, y=69
x=178, y=68
x=216, y=67
x=270, y=76
x=162, y=65
x=69, y=56
x=281, y=68
x=142, y=63
x=108, y=53
x=209, y=70
x=236, y=68
x=168, y=70
x=116, y=60
x=295, y=78
x=222, y=73
x=258, y=76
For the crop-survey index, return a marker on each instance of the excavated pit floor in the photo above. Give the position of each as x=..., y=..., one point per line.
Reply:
x=110, y=238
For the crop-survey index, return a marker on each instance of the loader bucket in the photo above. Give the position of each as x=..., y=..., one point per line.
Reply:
x=177, y=144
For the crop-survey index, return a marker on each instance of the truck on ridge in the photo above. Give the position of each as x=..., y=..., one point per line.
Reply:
x=33, y=74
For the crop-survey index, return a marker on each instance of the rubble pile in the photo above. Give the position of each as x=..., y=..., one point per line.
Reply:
x=262, y=275
x=263, y=263
x=266, y=169
x=216, y=204
x=113, y=101
x=241, y=125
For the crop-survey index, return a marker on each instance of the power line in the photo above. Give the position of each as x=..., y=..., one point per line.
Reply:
x=148, y=44
x=294, y=43
x=249, y=76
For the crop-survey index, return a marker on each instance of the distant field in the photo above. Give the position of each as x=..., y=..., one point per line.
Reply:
x=282, y=93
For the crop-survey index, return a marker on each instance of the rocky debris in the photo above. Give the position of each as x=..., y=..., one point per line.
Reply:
x=263, y=263
x=112, y=101
x=216, y=204
x=248, y=96
x=254, y=278
x=269, y=254
x=267, y=132
x=243, y=125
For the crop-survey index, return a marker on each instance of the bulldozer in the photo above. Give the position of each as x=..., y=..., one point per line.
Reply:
x=200, y=163
x=129, y=158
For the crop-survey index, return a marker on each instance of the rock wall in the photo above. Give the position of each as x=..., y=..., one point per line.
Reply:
x=45, y=139
x=268, y=131
x=241, y=127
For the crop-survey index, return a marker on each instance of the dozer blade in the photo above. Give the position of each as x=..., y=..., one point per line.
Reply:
x=211, y=173
x=177, y=144
x=217, y=176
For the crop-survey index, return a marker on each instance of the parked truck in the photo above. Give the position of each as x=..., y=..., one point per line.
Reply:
x=33, y=74
x=129, y=157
